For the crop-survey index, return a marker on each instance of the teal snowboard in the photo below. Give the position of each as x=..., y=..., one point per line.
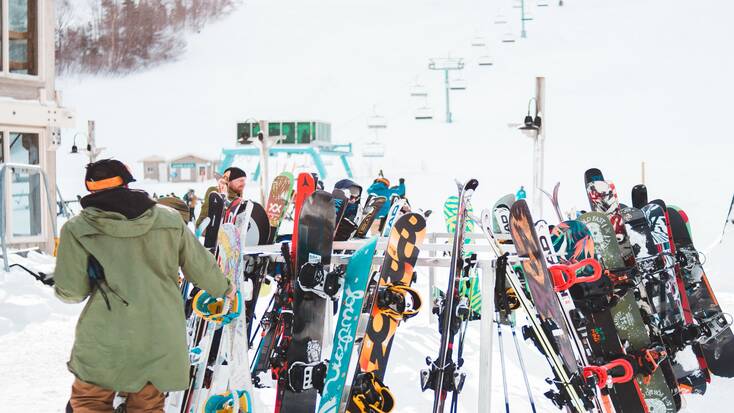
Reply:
x=355, y=286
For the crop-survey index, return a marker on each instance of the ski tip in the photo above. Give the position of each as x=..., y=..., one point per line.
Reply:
x=471, y=184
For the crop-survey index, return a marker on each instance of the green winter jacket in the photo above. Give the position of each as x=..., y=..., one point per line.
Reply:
x=145, y=341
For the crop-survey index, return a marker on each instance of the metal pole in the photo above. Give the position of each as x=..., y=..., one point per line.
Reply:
x=643, y=172
x=431, y=280
x=264, y=155
x=486, y=340
x=447, y=86
x=92, y=152
x=540, y=146
x=523, y=34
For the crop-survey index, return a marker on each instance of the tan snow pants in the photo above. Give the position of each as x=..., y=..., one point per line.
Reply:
x=88, y=398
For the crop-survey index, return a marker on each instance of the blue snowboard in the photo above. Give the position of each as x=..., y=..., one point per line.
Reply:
x=355, y=286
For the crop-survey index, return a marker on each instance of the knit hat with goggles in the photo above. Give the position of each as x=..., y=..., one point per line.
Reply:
x=106, y=174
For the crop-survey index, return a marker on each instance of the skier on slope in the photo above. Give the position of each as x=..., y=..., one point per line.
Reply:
x=123, y=252
x=381, y=187
x=232, y=182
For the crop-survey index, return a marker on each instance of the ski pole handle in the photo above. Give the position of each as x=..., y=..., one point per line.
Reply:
x=565, y=276
x=603, y=376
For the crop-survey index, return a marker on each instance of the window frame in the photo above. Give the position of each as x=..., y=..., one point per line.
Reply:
x=6, y=130
x=39, y=40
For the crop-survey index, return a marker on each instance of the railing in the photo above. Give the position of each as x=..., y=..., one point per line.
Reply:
x=3, y=213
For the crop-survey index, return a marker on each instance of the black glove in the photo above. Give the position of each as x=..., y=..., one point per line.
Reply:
x=401, y=180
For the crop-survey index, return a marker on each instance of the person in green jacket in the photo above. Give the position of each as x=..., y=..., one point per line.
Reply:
x=232, y=182
x=122, y=254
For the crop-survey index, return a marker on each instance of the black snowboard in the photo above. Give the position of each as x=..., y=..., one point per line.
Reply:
x=719, y=352
x=315, y=228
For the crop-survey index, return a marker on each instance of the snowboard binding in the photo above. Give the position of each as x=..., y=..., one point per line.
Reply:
x=225, y=403
x=370, y=395
x=712, y=324
x=216, y=310
x=565, y=276
x=312, y=277
x=306, y=376
x=398, y=302
x=603, y=377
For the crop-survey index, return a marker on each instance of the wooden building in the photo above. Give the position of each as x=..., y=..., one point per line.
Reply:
x=30, y=117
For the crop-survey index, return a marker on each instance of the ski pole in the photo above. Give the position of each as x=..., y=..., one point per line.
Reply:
x=522, y=366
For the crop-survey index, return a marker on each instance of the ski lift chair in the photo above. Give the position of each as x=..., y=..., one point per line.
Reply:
x=376, y=122
x=485, y=60
x=418, y=90
x=458, y=84
x=373, y=149
x=508, y=37
x=424, y=113
x=478, y=42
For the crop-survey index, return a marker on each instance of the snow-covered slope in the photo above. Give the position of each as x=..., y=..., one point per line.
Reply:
x=626, y=82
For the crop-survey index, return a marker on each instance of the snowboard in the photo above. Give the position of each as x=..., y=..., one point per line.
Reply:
x=234, y=337
x=388, y=307
x=639, y=196
x=626, y=318
x=305, y=185
x=281, y=192
x=215, y=214
x=340, y=204
x=674, y=302
x=603, y=198
x=573, y=392
x=395, y=211
x=549, y=310
x=316, y=220
x=649, y=264
x=501, y=214
x=718, y=345
x=355, y=285
x=369, y=214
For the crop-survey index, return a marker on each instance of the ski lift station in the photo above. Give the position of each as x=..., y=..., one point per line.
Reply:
x=296, y=144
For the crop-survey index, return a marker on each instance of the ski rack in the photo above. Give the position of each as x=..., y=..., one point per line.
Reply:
x=486, y=265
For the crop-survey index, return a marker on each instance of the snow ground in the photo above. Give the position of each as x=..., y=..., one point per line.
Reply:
x=627, y=82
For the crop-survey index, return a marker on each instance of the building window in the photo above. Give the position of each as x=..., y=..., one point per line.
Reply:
x=25, y=186
x=304, y=132
x=288, y=129
x=22, y=32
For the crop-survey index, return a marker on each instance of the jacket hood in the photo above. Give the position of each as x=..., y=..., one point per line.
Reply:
x=347, y=183
x=128, y=202
x=117, y=225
